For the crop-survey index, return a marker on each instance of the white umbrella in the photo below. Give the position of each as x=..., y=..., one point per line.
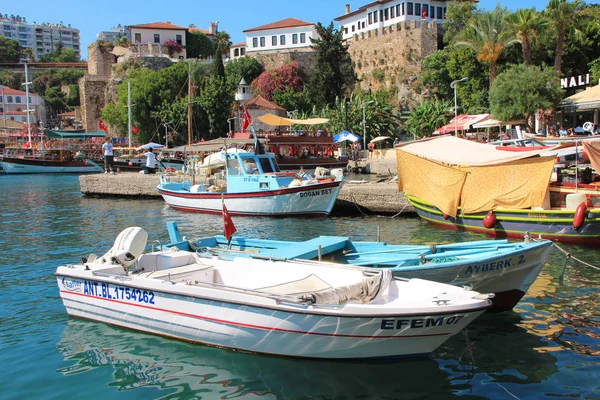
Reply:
x=152, y=145
x=379, y=138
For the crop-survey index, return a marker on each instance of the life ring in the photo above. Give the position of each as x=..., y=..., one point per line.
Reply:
x=489, y=220
x=579, y=217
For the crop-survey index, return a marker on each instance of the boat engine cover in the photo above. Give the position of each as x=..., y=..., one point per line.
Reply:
x=129, y=245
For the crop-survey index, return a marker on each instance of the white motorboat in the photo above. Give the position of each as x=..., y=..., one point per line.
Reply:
x=292, y=308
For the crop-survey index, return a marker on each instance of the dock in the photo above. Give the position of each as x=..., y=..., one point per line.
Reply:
x=353, y=199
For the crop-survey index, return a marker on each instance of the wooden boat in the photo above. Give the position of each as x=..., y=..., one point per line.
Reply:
x=461, y=185
x=291, y=308
x=48, y=162
x=487, y=266
x=252, y=184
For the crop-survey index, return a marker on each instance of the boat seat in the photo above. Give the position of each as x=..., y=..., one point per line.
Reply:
x=308, y=250
x=197, y=272
x=309, y=284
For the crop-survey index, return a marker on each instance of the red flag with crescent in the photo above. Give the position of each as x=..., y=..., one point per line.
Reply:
x=246, y=119
x=228, y=226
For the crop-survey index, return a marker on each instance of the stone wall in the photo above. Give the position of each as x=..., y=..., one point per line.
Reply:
x=307, y=58
x=100, y=59
x=92, y=94
x=392, y=55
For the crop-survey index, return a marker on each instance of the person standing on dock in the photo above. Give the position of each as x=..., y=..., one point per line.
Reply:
x=150, y=161
x=109, y=158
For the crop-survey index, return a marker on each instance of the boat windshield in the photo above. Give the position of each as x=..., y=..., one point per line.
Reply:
x=233, y=167
x=266, y=165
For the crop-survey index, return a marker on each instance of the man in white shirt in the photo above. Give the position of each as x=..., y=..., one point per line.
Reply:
x=109, y=159
x=150, y=161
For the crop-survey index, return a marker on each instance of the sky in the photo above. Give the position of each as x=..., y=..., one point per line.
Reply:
x=234, y=16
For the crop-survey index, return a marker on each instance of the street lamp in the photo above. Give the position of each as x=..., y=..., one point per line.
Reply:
x=229, y=122
x=363, y=105
x=453, y=86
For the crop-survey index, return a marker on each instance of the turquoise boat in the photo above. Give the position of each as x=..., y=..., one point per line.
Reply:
x=487, y=266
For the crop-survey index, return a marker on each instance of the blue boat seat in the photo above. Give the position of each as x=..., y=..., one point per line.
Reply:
x=309, y=249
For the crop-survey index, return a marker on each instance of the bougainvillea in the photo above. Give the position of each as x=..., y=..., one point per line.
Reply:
x=172, y=47
x=282, y=78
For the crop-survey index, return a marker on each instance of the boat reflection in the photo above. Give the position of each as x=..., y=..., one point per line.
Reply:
x=140, y=360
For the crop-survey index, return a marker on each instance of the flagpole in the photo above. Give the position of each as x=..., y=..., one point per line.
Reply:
x=129, y=111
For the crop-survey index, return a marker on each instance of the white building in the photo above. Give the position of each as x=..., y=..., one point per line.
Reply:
x=287, y=34
x=13, y=104
x=156, y=34
x=114, y=34
x=42, y=38
x=383, y=13
x=237, y=50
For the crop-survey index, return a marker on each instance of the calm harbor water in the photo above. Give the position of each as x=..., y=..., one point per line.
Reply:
x=549, y=347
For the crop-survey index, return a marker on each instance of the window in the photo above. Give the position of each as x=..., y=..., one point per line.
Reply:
x=236, y=52
x=398, y=10
x=262, y=41
x=432, y=12
x=375, y=14
x=345, y=31
x=363, y=25
x=156, y=38
x=386, y=14
x=178, y=39
x=370, y=18
x=17, y=99
x=353, y=28
x=273, y=40
x=444, y=13
x=282, y=40
x=254, y=42
x=138, y=38
x=392, y=12
x=418, y=9
x=9, y=99
x=381, y=15
x=295, y=37
x=409, y=8
x=426, y=10
x=243, y=51
x=303, y=38
x=439, y=12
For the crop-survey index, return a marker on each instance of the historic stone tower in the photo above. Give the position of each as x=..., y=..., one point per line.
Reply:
x=92, y=87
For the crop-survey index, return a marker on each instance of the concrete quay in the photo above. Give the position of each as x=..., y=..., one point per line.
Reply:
x=353, y=199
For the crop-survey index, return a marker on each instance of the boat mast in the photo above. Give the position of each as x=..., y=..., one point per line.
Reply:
x=189, y=110
x=129, y=111
x=27, y=83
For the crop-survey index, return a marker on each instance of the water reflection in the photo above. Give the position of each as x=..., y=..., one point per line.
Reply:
x=138, y=360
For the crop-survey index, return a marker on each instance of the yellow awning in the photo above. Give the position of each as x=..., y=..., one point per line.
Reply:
x=275, y=120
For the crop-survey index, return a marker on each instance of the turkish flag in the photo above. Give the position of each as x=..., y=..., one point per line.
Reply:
x=423, y=12
x=134, y=129
x=101, y=125
x=228, y=226
x=246, y=120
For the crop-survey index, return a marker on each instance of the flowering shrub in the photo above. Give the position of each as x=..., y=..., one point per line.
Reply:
x=172, y=47
x=286, y=76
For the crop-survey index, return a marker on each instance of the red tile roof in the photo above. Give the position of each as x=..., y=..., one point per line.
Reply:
x=260, y=103
x=284, y=23
x=157, y=25
x=240, y=44
x=11, y=92
x=200, y=30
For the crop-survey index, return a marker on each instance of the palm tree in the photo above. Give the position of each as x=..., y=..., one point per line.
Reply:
x=562, y=15
x=526, y=23
x=488, y=34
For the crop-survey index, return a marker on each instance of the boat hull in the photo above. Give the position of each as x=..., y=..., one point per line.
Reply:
x=288, y=330
x=13, y=165
x=316, y=199
x=556, y=225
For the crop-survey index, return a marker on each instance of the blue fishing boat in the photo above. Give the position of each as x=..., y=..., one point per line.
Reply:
x=252, y=184
x=488, y=266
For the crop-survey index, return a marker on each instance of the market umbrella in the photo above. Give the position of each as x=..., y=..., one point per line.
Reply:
x=379, y=139
x=152, y=145
x=345, y=135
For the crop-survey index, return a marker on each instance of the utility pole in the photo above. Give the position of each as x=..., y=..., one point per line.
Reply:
x=189, y=110
x=129, y=111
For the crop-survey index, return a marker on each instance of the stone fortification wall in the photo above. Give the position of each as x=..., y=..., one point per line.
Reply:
x=307, y=58
x=100, y=59
x=92, y=92
x=392, y=55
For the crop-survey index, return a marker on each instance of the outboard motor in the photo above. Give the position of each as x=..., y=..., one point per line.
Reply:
x=129, y=245
x=338, y=173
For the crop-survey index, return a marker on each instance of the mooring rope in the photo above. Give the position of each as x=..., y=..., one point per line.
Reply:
x=356, y=203
x=569, y=255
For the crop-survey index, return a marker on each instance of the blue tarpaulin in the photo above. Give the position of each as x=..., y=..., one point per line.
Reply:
x=345, y=135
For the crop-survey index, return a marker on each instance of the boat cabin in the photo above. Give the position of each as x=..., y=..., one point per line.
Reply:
x=249, y=171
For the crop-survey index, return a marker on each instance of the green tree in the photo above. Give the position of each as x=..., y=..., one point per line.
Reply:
x=488, y=34
x=562, y=16
x=248, y=68
x=521, y=90
x=122, y=41
x=223, y=41
x=334, y=75
x=219, y=68
x=10, y=50
x=10, y=79
x=217, y=101
x=526, y=23
x=426, y=117
x=595, y=70
x=458, y=16
x=60, y=54
x=291, y=99
x=198, y=45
